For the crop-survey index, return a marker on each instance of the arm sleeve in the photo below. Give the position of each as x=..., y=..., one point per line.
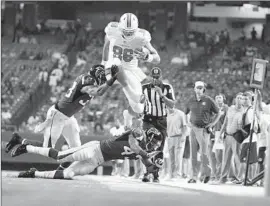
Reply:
x=187, y=110
x=170, y=94
x=214, y=106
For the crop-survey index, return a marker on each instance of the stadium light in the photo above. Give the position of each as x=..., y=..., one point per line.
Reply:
x=248, y=6
x=21, y=6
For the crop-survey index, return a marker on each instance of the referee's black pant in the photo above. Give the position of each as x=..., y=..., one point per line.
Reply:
x=159, y=123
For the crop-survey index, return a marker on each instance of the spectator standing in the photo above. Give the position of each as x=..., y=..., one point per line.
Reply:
x=248, y=109
x=201, y=108
x=215, y=154
x=253, y=34
x=232, y=123
x=177, y=132
x=263, y=137
x=18, y=32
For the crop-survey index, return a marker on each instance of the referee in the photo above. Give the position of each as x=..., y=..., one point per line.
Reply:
x=159, y=96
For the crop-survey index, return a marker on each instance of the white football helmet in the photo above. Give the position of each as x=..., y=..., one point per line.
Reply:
x=128, y=24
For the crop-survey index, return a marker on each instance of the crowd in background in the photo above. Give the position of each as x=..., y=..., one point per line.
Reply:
x=223, y=64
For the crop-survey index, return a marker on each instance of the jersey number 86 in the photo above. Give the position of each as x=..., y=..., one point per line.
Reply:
x=123, y=54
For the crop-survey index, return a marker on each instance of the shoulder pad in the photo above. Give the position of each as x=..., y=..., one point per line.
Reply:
x=111, y=28
x=145, y=35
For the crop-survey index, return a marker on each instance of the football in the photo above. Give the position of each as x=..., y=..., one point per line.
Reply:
x=143, y=49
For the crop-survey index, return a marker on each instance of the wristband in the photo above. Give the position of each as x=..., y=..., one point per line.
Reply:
x=150, y=58
x=108, y=76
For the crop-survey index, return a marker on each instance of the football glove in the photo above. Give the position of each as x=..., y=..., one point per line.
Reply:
x=114, y=70
x=140, y=54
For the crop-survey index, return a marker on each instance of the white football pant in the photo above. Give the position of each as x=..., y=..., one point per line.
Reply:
x=57, y=123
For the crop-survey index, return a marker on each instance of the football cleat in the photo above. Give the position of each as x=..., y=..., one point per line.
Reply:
x=146, y=177
x=192, y=181
x=18, y=150
x=28, y=174
x=16, y=139
x=206, y=179
x=156, y=179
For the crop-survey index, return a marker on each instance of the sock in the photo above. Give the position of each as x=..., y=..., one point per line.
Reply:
x=47, y=152
x=59, y=174
x=32, y=142
x=64, y=165
x=46, y=174
x=127, y=118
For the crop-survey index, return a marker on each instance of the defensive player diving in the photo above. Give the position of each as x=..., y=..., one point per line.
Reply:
x=90, y=155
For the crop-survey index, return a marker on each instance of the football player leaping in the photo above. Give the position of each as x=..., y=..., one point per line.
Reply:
x=126, y=42
x=90, y=155
x=60, y=119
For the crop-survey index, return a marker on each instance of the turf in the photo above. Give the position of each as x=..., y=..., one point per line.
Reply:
x=95, y=190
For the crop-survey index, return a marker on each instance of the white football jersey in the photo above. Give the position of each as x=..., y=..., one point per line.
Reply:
x=124, y=49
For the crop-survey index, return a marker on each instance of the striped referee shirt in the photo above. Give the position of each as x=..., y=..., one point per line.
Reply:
x=154, y=104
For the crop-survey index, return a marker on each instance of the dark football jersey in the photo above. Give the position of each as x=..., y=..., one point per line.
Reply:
x=117, y=147
x=74, y=100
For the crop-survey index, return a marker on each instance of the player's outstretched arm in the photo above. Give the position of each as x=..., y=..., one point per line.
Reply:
x=105, y=52
x=135, y=147
x=105, y=58
x=103, y=88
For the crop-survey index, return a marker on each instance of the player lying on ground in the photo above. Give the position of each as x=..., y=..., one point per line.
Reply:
x=125, y=44
x=60, y=119
x=90, y=155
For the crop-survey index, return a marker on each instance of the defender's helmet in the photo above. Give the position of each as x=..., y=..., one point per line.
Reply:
x=128, y=24
x=98, y=73
x=153, y=139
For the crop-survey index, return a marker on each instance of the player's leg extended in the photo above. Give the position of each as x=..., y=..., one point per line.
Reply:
x=92, y=158
x=54, y=130
x=131, y=85
x=45, y=126
x=71, y=133
x=17, y=139
x=135, y=107
x=47, y=152
x=76, y=168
